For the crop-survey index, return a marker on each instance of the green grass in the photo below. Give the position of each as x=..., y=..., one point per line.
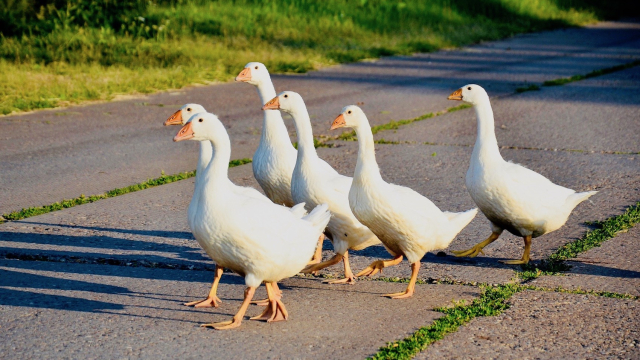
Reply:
x=316, y=143
x=559, y=289
x=163, y=179
x=595, y=73
x=592, y=74
x=67, y=55
x=605, y=230
x=532, y=87
x=387, y=142
x=492, y=302
x=394, y=125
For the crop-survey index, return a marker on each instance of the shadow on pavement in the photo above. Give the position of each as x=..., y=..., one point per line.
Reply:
x=14, y=297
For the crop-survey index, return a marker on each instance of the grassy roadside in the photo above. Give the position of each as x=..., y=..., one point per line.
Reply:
x=171, y=44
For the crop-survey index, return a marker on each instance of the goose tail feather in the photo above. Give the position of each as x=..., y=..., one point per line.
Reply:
x=319, y=217
x=458, y=221
x=574, y=199
x=298, y=210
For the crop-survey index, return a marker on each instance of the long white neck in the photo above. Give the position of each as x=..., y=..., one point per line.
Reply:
x=266, y=91
x=486, y=148
x=302, y=123
x=366, y=167
x=273, y=128
x=217, y=170
x=206, y=152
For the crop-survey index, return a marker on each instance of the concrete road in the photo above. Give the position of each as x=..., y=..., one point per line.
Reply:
x=109, y=277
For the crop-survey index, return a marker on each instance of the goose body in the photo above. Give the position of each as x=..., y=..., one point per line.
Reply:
x=407, y=223
x=520, y=200
x=315, y=182
x=181, y=117
x=275, y=157
x=257, y=239
x=511, y=196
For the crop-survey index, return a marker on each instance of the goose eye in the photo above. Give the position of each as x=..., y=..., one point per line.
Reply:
x=349, y=112
x=200, y=120
x=286, y=96
x=256, y=67
x=189, y=109
x=469, y=88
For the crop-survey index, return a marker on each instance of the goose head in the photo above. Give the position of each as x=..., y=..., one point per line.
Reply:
x=352, y=116
x=181, y=116
x=470, y=93
x=287, y=101
x=201, y=127
x=254, y=73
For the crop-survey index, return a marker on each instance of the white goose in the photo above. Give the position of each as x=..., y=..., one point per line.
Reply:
x=180, y=117
x=407, y=223
x=275, y=158
x=316, y=182
x=261, y=241
x=511, y=196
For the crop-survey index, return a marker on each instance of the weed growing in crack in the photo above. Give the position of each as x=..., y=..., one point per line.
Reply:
x=605, y=230
x=532, y=87
x=492, y=302
x=595, y=73
x=82, y=199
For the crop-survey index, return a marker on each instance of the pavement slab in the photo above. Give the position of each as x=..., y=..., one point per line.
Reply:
x=571, y=117
x=611, y=267
x=94, y=148
x=54, y=310
x=547, y=325
x=151, y=226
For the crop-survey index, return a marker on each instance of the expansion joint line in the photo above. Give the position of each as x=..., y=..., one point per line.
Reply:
x=82, y=199
x=394, y=125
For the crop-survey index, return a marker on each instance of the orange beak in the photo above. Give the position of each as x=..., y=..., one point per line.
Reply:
x=175, y=119
x=245, y=75
x=273, y=104
x=338, y=122
x=185, y=133
x=456, y=95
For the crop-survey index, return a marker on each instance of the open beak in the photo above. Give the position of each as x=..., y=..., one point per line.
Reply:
x=273, y=104
x=338, y=122
x=175, y=119
x=185, y=133
x=245, y=75
x=456, y=95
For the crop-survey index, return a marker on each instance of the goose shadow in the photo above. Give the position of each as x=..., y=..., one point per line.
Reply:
x=17, y=295
x=156, y=233
x=105, y=242
x=379, y=252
